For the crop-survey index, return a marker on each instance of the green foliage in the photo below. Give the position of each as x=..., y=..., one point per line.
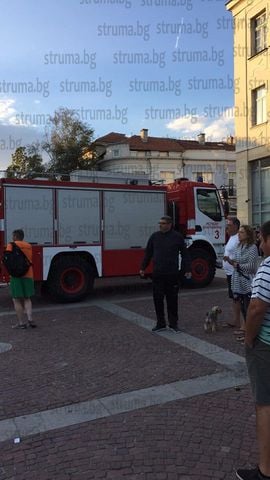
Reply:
x=67, y=142
x=26, y=162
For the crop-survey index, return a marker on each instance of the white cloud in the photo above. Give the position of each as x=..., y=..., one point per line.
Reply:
x=186, y=124
x=10, y=116
x=13, y=133
x=217, y=130
x=7, y=110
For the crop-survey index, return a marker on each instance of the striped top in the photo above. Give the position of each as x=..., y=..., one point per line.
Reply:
x=261, y=290
x=247, y=257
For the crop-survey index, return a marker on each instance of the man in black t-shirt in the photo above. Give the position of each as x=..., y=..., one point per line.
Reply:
x=164, y=247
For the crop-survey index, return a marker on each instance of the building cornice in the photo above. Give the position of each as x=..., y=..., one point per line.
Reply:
x=231, y=4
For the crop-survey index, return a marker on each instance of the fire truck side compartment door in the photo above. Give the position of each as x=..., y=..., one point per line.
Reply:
x=31, y=209
x=78, y=216
x=130, y=217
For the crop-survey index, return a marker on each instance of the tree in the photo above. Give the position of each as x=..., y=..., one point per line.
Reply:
x=67, y=142
x=26, y=161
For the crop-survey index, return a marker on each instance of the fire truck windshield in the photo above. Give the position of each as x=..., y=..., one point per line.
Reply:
x=208, y=203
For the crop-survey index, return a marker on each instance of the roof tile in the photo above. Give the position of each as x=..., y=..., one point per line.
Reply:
x=162, y=144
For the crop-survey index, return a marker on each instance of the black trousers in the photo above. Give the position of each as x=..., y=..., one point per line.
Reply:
x=166, y=286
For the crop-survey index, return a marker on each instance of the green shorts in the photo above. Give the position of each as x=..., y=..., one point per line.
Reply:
x=21, y=287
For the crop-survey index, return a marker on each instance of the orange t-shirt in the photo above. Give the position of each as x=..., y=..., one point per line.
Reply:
x=27, y=250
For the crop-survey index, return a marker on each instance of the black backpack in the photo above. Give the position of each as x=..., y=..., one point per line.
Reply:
x=16, y=262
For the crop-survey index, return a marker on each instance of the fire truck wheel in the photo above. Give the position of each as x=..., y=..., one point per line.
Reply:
x=70, y=279
x=202, y=266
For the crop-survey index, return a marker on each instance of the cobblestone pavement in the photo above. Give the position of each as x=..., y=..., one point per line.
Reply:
x=115, y=401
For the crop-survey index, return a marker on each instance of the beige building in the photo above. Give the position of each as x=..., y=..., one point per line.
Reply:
x=252, y=100
x=164, y=159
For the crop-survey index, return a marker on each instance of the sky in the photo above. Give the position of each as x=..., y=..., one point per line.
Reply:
x=122, y=65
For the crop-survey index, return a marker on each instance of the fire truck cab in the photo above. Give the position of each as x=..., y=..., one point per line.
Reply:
x=197, y=212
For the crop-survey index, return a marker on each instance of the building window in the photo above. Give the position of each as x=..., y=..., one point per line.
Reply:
x=168, y=177
x=260, y=177
x=259, y=105
x=259, y=33
x=232, y=189
x=206, y=177
x=116, y=153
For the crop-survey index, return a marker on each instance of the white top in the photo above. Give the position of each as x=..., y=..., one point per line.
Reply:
x=229, y=252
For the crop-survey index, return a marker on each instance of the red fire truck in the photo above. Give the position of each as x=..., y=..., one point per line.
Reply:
x=97, y=225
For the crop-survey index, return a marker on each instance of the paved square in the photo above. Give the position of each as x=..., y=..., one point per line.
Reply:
x=93, y=393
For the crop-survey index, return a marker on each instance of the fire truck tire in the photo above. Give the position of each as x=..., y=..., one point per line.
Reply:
x=70, y=279
x=202, y=266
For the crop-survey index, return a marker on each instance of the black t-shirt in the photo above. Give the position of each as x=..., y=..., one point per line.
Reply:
x=164, y=249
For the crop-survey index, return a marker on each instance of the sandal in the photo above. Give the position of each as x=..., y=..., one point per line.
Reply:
x=31, y=324
x=239, y=332
x=20, y=326
x=240, y=339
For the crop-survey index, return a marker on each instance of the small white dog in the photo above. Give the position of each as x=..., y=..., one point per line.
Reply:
x=211, y=319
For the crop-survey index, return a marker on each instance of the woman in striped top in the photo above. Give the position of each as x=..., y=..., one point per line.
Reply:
x=245, y=265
